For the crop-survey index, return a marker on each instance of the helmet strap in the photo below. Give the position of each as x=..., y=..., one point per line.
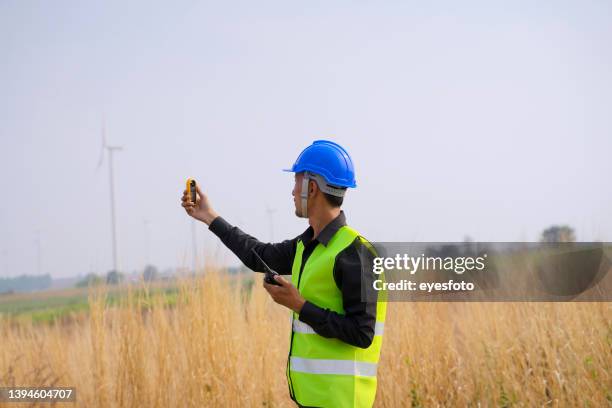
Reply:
x=304, y=195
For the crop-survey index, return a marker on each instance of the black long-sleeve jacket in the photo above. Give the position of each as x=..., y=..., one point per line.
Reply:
x=356, y=325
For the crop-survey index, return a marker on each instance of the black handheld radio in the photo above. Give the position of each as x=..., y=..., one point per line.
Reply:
x=269, y=278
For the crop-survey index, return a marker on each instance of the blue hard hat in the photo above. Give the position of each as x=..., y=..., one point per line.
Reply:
x=328, y=159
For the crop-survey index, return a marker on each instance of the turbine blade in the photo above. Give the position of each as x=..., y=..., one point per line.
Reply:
x=104, y=133
x=101, y=159
x=103, y=145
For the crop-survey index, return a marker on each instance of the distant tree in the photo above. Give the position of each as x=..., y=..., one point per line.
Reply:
x=91, y=279
x=558, y=233
x=113, y=277
x=150, y=273
x=25, y=283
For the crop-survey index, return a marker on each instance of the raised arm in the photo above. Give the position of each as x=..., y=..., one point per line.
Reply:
x=279, y=256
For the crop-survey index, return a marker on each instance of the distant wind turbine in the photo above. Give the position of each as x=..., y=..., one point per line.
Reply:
x=6, y=265
x=111, y=150
x=194, y=246
x=38, y=254
x=270, y=212
x=147, y=241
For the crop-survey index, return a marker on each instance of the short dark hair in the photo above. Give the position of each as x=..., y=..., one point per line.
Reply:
x=334, y=201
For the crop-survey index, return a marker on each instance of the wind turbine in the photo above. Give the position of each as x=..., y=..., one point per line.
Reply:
x=5, y=252
x=270, y=212
x=38, y=253
x=111, y=150
x=147, y=241
x=194, y=246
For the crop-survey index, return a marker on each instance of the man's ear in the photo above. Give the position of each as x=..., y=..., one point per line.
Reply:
x=312, y=188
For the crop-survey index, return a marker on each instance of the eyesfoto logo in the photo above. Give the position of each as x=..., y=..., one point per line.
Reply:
x=458, y=264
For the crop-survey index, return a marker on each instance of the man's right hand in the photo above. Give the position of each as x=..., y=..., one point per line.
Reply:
x=201, y=210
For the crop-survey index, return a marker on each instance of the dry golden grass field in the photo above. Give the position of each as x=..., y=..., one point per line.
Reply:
x=222, y=346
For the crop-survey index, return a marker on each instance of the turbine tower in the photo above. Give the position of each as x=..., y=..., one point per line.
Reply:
x=38, y=253
x=270, y=212
x=194, y=247
x=111, y=150
x=147, y=241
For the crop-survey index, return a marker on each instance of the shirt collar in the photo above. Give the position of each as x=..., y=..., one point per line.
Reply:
x=327, y=232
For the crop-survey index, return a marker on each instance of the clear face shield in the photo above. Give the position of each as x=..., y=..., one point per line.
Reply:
x=323, y=186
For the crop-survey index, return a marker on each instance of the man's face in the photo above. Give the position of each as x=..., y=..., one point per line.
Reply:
x=297, y=189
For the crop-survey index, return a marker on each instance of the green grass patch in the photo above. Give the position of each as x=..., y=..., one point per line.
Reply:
x=46, y=307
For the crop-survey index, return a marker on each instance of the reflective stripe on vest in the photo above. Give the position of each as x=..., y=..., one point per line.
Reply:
x=301, y=327
x=342, y=367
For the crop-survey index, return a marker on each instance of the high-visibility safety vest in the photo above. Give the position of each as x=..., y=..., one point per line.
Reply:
x=327, y=372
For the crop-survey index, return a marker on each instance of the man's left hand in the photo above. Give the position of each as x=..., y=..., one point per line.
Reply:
x=286, y=295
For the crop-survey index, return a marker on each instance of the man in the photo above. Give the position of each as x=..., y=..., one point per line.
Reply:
x=336, y=337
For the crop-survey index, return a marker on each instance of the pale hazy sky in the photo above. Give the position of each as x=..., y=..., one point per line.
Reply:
x=488, y=119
